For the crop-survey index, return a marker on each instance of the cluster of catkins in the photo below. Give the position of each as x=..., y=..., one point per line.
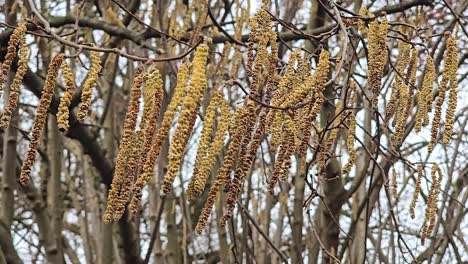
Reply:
x=18, y=38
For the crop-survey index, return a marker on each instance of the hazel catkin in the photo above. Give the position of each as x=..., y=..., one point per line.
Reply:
x=153, y=147
x=424, y=96
x=453, y=86
x=125, y=145
x=15, y=85
x=40, y=119
x=417, y=189
x=15, y=39
x=187, y=117
x=63, y=112
x=90, y=82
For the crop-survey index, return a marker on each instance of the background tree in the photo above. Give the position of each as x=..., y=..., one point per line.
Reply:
x=233, y=131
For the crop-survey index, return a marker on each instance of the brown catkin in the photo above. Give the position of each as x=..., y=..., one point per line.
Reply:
x=187, y=117
x=417, y=189
x=425, y=96
x=325, y=149
x=411, y=77
x=63, y=112
x=15, y=39
x=15, y=85
x=450, y=67
x=90, y=82
x=153, y=147
x=244, y=162
x=125, y=145
x=40, y=119
x=453, y=86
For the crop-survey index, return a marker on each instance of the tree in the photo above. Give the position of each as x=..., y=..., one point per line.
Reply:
x=233, y=131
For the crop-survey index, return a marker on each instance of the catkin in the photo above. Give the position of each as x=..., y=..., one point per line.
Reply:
x=187, y=117
x=417, y=189
x=453, y=86
x=63, y=112
x=377, y=57
x=450, y=67
x=237, y=133
x=425, y=95
x=432, y=199
x=93, y=75
x=40, y=119
x=394, y=184
x=197, y=181
x=403, y=60
x=350, y=143
x=244, y=163
x=153, y=147
x=411, y=76
x=361, y=22
x=15, y=85
x=401, y=116
x=125, y=145
x=15, y=39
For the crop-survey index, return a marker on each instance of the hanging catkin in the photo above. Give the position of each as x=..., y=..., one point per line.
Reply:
x=206, y=155
x=125, y=145
x=237, y=133
x=450, y=67
x=15, y=39
x=377, y=57
x=453, y=86
x=417, y=189
x=187, y=117
x=425, y=96
x=90, y=82
x=15, y=85
x=153, y=147
x=40, y=119
x=63, y=112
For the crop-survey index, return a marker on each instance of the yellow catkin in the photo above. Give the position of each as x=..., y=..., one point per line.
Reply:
x=93, y=75
x=450, y=66
x=125, y=145
x=40, y=119
x=417, y=189
x=15, y=85
x=424, y=96
x=203, y=145
x=403, y=60
x=152, y=148
x=361, y=22
x=401, y=116
x=432, y=199
x=63, y=112
x=350, y=143
x=236, y=136
x=15, y=39
x=187, y=117
x=377, y=57
x=453, y=86
x=212, y=151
